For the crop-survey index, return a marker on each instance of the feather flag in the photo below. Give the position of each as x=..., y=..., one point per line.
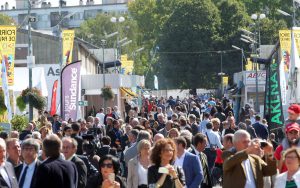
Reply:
x=53, y=99
x=5, y=88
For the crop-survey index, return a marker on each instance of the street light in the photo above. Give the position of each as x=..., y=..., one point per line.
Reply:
x=103, y=44
x=257, y=18
x=30, y=57
x=221, y=74
x=242, y=51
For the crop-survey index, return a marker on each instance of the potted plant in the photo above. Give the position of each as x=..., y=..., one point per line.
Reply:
x=107, y=93
x=33, y=97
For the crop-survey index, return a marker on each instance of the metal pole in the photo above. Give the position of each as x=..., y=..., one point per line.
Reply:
x=29, y=58
x=256, y=71
x=60, y=58
x=242, y=59
x=294, y=14
x=222, y=86
x=103, y=69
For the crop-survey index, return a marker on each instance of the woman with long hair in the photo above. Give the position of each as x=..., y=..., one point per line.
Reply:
x=107, y=177
x=163, y=174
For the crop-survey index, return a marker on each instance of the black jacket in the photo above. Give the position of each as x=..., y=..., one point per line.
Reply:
x=56, y=172
x=96, y=181
x=81, y=170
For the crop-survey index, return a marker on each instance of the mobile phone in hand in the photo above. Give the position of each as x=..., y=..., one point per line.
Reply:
x=163, y=170
x=111, y=177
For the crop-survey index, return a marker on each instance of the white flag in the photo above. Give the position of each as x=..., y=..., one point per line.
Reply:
x=5, y=89
x=294, y=76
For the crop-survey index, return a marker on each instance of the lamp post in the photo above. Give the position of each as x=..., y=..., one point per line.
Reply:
x=103, y=44
x=221, y=74
x=243, y=56
x=117, y=20
x=30, y=57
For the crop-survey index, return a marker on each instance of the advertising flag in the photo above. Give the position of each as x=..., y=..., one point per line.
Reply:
x=70, y=78
x=53, y=98
x=273, y=104
x=7, y=50
x=5, y=89
x=68, y=41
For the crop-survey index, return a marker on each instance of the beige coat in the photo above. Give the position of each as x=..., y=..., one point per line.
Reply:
x=133, y=177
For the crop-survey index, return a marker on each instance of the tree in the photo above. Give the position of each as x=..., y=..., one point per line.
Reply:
x=192, y=27
x=6, y=20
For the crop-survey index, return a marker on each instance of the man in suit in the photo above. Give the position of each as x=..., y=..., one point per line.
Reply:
x=69, y=147
x=8, y=178
x=75, y=134
x=260, y=129
x=54, y=171
x=243, y=166
x=190, y=163
x=200, y=142
x=26, y=172
x=132, y=151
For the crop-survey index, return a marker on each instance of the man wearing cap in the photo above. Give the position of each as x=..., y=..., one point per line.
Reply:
x=294, y=114
x=292, y=131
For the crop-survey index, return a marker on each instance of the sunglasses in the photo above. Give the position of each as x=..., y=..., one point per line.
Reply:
x=106, y=165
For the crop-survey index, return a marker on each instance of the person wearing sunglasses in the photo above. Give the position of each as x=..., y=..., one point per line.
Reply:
x=108, y=174
x=163, y=174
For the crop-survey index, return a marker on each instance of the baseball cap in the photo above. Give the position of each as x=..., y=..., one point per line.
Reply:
x=292, y=126
x=294, y=108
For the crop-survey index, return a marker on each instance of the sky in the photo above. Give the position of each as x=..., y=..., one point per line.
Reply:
x=53, y=2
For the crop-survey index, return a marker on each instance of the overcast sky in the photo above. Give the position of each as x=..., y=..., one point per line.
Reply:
x=53, y=2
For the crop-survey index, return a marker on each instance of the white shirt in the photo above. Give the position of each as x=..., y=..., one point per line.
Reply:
x=101, y=118
x=143, y=174
x=213, y=138
x=29, y=174
x=179, y=160
x=4, y=175
x=250, y=183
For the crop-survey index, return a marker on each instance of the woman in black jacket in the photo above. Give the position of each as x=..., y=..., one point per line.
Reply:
x=108, y=174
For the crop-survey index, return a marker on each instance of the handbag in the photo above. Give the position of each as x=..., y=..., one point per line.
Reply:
x=212, y=147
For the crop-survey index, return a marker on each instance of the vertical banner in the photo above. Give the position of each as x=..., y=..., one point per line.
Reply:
x=285, y=47
x=68, y=40
x=53, y=98
x=127, y=65
x=5, y=89
x=70, y=78
x=7, y=50
x=225, y=81
x=273, y=105
x=155, y=82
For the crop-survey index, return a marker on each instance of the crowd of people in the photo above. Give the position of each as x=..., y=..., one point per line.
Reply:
x=167, y=143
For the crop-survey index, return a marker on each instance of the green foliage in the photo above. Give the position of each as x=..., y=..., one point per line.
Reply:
x=107, y=93
x=6, y=20
x=2, y=104
x=180, y=26
x=32, y=96
x=21, y=103
x=19, y=122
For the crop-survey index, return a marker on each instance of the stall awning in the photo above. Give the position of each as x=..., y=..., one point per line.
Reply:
x=128, y=92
